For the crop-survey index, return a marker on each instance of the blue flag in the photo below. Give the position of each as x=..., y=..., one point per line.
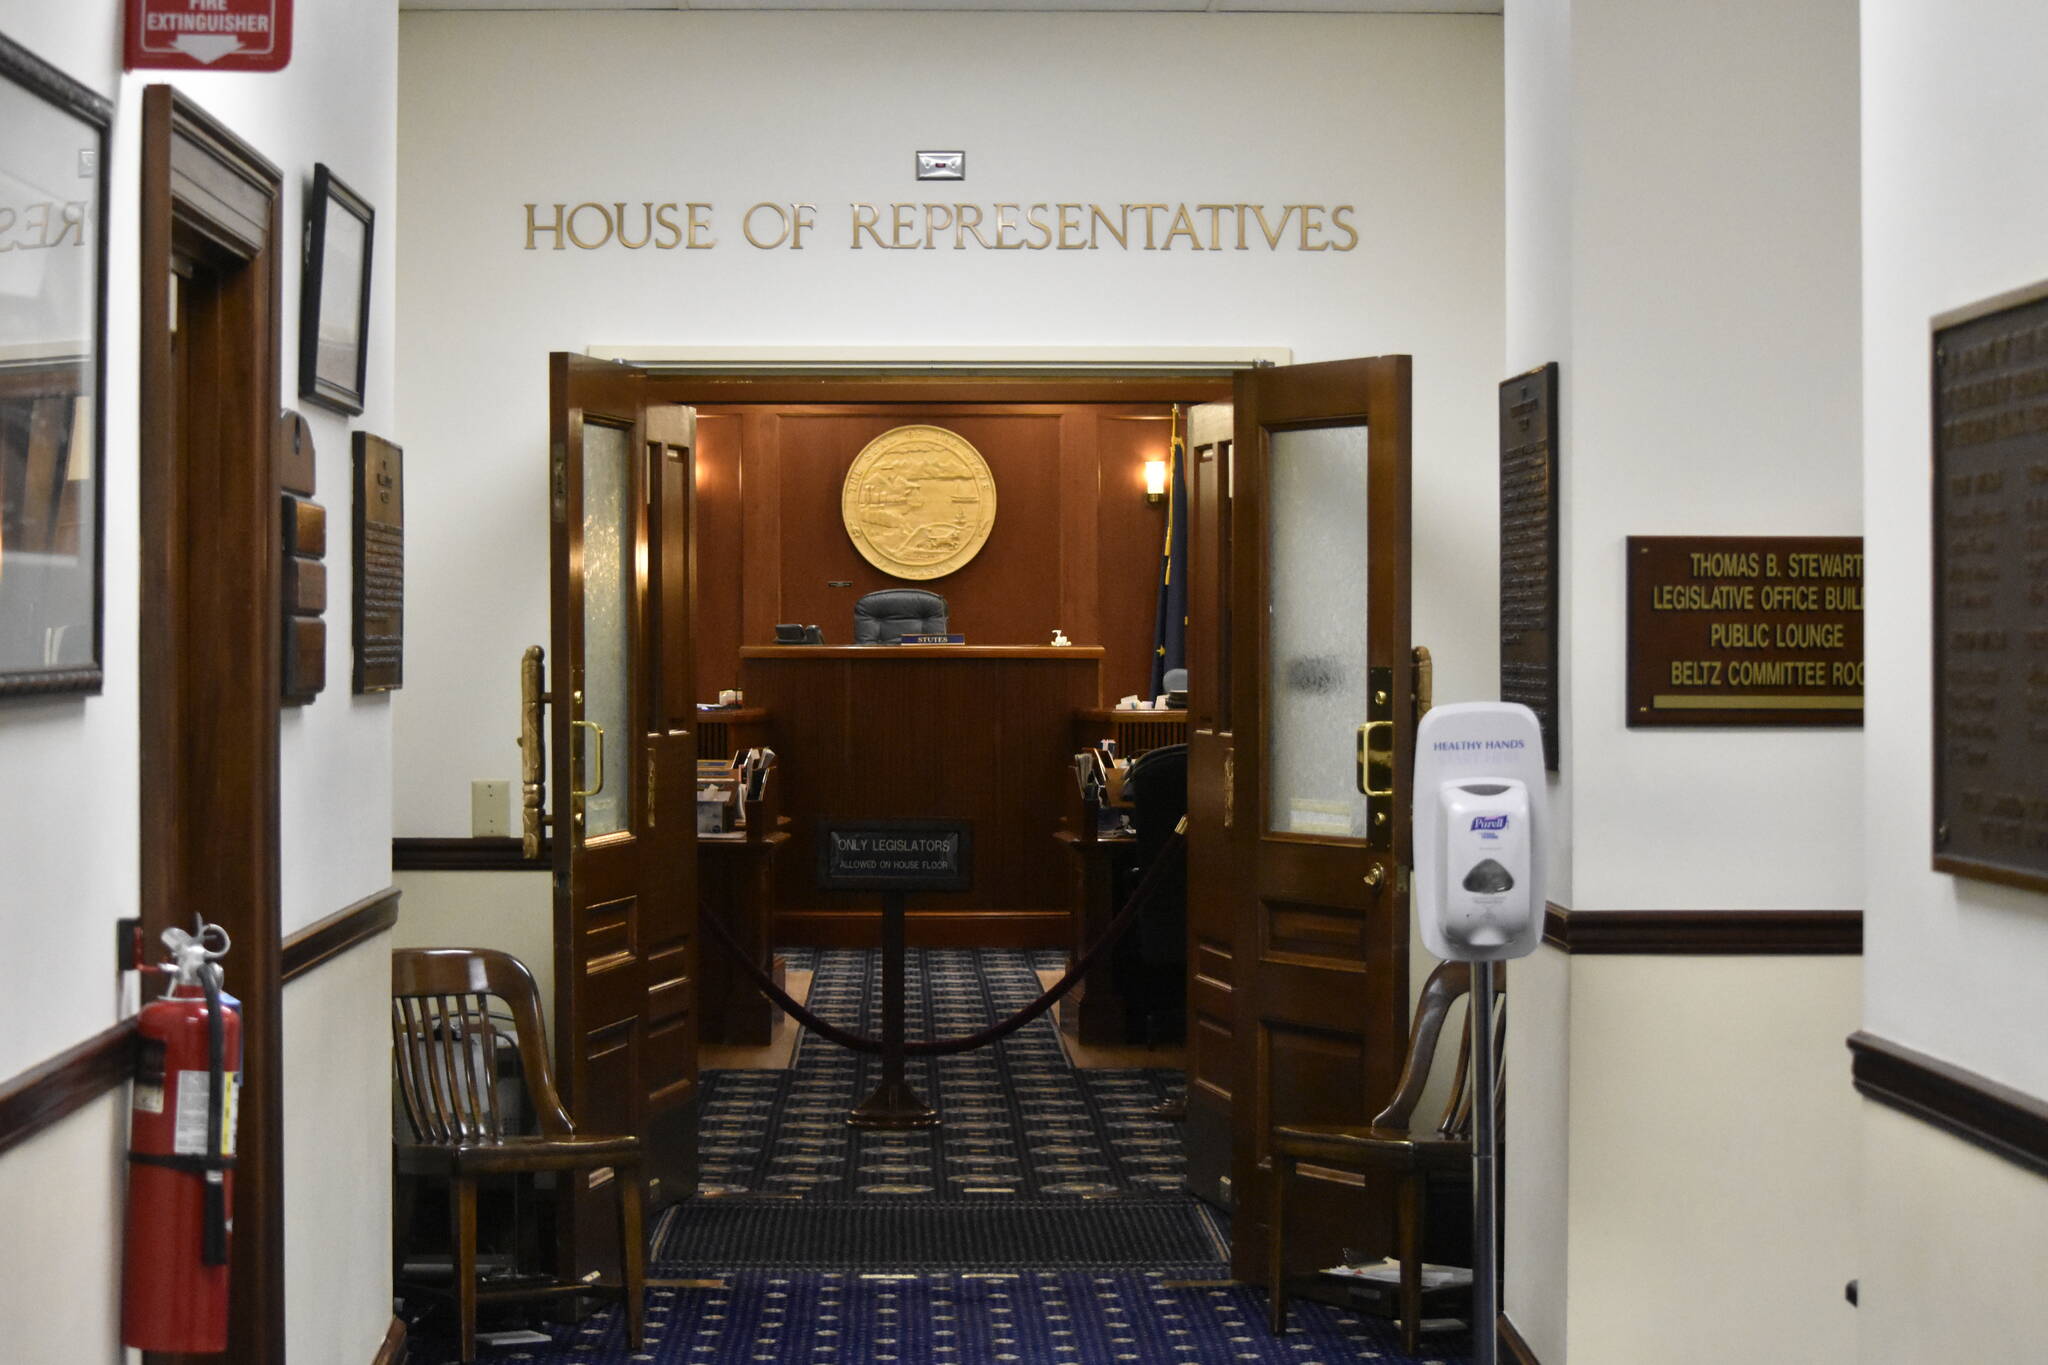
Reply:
x=1170, y=624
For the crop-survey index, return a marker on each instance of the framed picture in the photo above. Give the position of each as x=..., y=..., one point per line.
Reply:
x=53, y=271
x=334, y=304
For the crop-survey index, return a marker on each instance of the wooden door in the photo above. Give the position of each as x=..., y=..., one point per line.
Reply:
x=624, y=755
x=1320, y=758
x=1213, y=889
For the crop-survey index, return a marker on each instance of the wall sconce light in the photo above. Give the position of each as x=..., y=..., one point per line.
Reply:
x=1155, y=481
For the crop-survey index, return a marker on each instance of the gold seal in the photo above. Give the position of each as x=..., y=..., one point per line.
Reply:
x=919, y=502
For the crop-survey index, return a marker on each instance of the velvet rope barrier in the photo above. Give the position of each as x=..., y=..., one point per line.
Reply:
x=940, y=1047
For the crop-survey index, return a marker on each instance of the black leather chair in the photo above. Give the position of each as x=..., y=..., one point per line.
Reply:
x=1150, y=966
x=896, y=612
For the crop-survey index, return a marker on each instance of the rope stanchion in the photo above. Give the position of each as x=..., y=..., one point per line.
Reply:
x=1140, y=897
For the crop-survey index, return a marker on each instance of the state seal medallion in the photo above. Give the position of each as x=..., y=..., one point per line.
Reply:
x=919, y=502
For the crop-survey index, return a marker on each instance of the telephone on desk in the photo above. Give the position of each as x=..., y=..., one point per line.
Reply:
x=798, y=635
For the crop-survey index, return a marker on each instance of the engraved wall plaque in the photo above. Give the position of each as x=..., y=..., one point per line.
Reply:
x=1528, y=548
x=1990, y=512
x=380, y=565
x=1745, y=630
x=919, y=502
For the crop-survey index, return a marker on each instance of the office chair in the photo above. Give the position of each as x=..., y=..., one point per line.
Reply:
x=1150, y=966
x=894, y=613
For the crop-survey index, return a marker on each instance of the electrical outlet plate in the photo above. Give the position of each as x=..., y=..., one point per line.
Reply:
x=490, y=809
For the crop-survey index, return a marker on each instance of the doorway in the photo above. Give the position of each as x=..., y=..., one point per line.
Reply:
x=210, y=637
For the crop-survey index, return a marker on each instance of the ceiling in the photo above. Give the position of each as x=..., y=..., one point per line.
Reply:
x=1102, y=6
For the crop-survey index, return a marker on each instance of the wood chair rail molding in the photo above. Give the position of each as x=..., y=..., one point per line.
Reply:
x=1704, y=933
x=54, y=1090
x=2003, y=1121
x=349, y=927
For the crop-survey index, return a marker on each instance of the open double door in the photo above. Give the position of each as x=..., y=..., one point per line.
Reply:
x=1300, y=745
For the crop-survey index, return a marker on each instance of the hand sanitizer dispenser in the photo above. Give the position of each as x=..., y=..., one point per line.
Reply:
x=1479, y=853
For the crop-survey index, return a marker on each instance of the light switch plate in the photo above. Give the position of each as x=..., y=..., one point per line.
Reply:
x=490, y=809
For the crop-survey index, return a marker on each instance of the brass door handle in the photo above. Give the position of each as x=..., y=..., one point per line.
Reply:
x=1365, y=748
x=1374, y=875
x=591, y=725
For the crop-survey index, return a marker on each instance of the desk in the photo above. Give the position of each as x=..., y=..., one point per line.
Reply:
x=734, y=882
x=1094, y=1011
x=964, y=732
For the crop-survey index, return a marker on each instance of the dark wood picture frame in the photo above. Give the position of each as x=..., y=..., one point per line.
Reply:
x=331, y=373
x=52, y=521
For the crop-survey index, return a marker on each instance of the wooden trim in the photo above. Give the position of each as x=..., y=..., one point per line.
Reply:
x=710, y=390
x=323, y=941
x=1705, y=933
x=42, y=1095
x=2003, y=1121
x=1512, y=1346
x=393, y=1351
x=488, y=854
x=210, y=630
x=926, y=928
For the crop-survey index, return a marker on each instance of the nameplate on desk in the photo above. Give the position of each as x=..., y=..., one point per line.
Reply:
x=895, y=855
x=929, y=640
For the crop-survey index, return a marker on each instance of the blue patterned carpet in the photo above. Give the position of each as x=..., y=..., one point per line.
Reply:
x=1042, y=1224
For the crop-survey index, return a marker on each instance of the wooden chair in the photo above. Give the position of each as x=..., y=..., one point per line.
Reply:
x=445, y=1047
x=1390, y=1146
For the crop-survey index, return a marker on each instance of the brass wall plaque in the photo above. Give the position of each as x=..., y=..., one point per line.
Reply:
x=1528, y=548
x=1745, y=630
x=919, y=502
x=380, y=565
x=1991, y=591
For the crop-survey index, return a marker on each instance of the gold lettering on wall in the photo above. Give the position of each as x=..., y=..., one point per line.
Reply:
x=1073, y=226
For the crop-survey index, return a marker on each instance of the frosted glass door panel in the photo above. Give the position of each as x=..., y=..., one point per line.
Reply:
x=1316, y=580
x=607, y=630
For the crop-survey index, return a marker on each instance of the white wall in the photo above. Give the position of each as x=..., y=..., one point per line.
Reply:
x=1682, y=227
x=1398, y=115
x=1951, y=120
x=69, y=818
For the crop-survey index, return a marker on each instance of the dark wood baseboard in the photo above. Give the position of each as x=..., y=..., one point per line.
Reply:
x=42, y=1095
x=926, y=928
x=1512, y=1346
x=1705, y=933
x=2003, y=1121
x=393, y=1351
x=489, y=854
x=327, y=939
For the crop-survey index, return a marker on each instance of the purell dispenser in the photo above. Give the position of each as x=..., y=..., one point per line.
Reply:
x=1483, y=857
x=1479, y=855
x=1479, y=848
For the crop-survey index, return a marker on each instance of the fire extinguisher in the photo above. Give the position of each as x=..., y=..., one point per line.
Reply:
x=181, y=1154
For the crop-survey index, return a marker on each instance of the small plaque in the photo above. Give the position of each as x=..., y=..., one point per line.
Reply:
x=1990, y=532
x=1745, y=630
x=380, y=565
x=1528, y=548
x=305, y=658
x=293, y=451
x=895, y=855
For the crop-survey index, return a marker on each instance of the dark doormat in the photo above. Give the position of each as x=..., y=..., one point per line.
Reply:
x=722, y=1234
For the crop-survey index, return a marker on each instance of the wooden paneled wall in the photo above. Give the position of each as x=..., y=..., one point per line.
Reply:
x=1075, y=545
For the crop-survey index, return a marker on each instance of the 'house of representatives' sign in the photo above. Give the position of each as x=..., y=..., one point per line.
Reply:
x=895, y=855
